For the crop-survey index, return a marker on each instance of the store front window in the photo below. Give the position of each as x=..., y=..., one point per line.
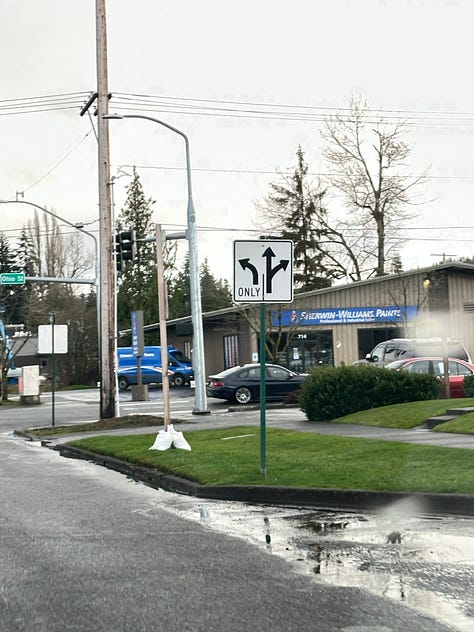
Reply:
x=307, y=350
x=231, y=351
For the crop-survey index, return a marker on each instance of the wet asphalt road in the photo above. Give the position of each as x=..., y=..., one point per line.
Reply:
x=85, y=548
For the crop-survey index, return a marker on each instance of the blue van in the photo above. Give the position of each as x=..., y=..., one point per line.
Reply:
x=179, y=367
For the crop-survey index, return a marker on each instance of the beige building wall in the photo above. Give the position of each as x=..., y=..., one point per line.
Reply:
x=445, y=308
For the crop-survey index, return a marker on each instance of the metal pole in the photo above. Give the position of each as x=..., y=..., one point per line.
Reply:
x=52, y=319
x=200, y=395
x=263, y=392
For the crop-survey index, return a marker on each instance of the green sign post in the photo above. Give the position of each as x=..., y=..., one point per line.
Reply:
x=12, y=278
x=263, y=273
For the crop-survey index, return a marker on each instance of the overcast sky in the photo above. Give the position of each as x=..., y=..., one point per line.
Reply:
x=242, y=62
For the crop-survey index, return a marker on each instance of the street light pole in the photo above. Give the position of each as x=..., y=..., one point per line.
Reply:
x=200, y=396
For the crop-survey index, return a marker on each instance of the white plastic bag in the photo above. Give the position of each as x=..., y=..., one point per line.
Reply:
x=170, y=438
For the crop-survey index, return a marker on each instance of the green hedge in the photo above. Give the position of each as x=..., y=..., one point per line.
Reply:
x=334, y=392
x=468, y=385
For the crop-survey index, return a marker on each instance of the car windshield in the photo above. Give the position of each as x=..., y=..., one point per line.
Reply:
x=180, y=357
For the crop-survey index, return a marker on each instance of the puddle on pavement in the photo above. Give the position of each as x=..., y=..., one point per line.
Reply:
x=405, y=557
x=426, y=562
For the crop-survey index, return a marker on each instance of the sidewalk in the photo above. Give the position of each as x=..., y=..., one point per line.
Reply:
x=292, y=418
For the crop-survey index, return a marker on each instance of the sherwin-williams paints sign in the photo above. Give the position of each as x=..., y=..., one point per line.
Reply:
x=345, y=315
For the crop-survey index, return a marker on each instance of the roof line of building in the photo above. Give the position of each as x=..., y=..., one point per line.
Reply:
x=467, y=267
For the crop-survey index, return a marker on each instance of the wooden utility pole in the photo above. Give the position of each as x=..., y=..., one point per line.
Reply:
x=163, y=313
x=108, y=393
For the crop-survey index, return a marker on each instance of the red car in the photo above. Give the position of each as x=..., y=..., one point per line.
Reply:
x=435, y=366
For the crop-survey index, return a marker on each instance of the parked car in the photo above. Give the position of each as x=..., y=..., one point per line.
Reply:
x=403, y=348
x=435, y=366
x=242, y=383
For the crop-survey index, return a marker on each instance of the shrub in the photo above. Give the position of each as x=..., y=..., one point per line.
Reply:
x=334, y=392
x=468, y=385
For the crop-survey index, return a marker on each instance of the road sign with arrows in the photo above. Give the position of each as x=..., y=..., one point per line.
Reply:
x=263, y=271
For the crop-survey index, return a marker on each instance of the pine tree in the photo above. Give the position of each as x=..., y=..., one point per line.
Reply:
x=215, y=293
x=10, y=295
x=137, y=283
x=179, y=293
x=24, y=261
x=293, y=209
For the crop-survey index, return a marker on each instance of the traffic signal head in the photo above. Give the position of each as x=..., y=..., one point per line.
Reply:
x=125, y=248
x=128, y=245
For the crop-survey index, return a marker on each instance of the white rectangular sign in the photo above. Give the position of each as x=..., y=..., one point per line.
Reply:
x=45, y=338
x=263, y=271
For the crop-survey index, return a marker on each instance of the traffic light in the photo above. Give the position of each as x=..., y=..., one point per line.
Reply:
x=128, y=245
x=125, y=248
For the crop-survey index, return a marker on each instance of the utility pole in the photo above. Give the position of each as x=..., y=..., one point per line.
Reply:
x=108, y=393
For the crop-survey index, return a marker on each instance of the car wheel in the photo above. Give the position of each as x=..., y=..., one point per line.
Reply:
x=243, y=395
x=178, y=380
x=123, y=383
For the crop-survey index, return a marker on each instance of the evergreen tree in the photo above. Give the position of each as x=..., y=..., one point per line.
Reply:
x=179, y=293
x=137, y=282
x=215, y=293
x=24, y=262
x=293, y=209
x=10, y=295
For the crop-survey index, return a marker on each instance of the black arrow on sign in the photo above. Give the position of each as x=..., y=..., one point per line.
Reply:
x=269, y=254
x=248, y=266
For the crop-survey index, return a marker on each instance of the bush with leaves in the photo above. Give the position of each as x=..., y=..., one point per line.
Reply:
x=329, y=393
x=468, y=385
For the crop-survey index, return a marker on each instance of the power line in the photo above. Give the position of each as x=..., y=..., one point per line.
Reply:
x=232, y=108
x=43, y=103
x=213, y=104
x=190, y=102
x=280, y=172
x=58, y=163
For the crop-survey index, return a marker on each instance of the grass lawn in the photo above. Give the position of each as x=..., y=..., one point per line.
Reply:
x=462, y=425
x=413, y=414
x=231, y=456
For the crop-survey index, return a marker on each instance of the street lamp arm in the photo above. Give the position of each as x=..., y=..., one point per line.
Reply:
x=148, y=118
x=45, y=210
x=173, y=129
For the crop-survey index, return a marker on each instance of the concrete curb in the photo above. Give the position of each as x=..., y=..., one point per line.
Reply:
x=451, y=504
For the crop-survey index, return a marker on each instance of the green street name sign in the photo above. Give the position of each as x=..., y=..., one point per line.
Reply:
x=12, y=278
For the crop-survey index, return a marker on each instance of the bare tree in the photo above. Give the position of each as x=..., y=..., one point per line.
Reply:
x=57, y=253
x=295, y=209
x=367, y=156
x=277, y=336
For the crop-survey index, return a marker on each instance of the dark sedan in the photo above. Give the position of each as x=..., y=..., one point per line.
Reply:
x=242, y=383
